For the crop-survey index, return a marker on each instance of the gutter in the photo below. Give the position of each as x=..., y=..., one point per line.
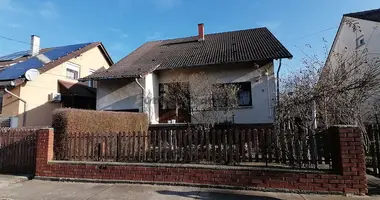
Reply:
x=25, y=105
x=142, y=92
x=278, y=83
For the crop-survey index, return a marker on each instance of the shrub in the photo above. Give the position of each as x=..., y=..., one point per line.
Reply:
x=81, y=121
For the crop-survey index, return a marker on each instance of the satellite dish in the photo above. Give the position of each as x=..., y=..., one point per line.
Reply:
x=31, y=74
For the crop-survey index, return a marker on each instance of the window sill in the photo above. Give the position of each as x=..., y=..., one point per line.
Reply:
x=358, y=47
x=244, y=107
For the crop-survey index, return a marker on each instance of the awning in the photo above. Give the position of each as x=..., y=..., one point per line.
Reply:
x=76, y=89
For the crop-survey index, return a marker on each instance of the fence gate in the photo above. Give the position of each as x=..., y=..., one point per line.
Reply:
x=17, y=150
x=373, y=151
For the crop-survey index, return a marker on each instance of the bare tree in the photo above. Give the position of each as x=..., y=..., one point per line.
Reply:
x=342, y=90
x=207, y=101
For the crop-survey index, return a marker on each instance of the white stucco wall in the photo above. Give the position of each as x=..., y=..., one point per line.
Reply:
x=345, y=43
x=150, y=97
x=344, y=49
x=117, y=95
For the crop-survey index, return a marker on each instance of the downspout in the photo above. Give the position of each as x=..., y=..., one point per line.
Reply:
x=25, y=105
x=278, y=84
x=142, y=92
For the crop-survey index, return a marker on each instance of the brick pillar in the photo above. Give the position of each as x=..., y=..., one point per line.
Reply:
x=350, y=158
x=45, y=140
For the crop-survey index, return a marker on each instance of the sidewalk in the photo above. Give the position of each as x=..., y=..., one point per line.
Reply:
x=37, y=189
x=6, y=180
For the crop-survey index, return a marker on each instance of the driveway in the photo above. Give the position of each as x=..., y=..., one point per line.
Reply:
x=37, y=189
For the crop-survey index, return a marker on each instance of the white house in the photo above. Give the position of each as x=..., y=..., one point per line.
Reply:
x=357, y=45
x=357, y=32
x=244, y=57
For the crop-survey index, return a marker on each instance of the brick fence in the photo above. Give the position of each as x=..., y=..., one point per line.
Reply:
x=348, y=175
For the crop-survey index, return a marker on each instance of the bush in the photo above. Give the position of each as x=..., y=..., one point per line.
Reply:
x=81, y=121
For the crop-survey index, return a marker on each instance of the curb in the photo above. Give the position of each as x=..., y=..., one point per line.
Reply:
x=109, y=181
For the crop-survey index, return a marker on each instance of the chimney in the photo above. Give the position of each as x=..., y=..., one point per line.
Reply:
x=35, y=45
x=201, y=32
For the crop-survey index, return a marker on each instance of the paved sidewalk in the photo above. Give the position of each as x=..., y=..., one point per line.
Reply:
x=37, y=189
x=6, y=180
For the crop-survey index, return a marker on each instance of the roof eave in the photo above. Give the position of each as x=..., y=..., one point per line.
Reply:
x=108, y=78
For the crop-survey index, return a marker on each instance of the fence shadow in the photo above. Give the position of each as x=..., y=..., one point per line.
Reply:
x=373, y=189
x=211, y=195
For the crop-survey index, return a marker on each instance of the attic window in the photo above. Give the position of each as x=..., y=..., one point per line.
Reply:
x=360, y=41
x=72, y=71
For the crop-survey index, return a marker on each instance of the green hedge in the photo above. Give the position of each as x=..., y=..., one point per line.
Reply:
x=81, y=121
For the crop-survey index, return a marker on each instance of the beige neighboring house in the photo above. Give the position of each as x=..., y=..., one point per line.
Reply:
x=35, y=82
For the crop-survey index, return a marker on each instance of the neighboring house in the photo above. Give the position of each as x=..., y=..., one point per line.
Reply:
x=35, y=82
x=244, y=57
x=357, y=41
x=357, y=31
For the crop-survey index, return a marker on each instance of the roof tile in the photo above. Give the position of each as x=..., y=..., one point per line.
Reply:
x=228, y=47
x=371, y=15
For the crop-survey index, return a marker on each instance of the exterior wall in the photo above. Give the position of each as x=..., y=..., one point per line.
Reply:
x=10, y=103
x=345, y=42
x=348, y=176
x=344, y=49
x=119, y=94
x=150, y=98
x=116, y=95
x=36, y=92
x=263, y=89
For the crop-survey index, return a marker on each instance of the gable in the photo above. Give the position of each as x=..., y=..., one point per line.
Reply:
x=49, y=58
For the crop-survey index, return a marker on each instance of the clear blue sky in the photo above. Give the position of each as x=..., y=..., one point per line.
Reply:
x=123, y=25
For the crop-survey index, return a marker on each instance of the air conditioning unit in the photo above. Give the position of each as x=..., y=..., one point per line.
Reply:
x=55, y=97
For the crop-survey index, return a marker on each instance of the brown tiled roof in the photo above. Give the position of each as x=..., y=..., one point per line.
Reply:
x=371, y=15
x=220, y=48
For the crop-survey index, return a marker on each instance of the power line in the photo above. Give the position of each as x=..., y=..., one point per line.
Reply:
x=317, y=33
x=15, y=40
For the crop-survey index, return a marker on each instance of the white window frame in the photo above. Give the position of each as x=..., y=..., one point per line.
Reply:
x=358, y=40
x=73, y=67
x=91, y=83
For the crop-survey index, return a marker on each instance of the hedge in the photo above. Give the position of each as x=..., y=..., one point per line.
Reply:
x=67, y=120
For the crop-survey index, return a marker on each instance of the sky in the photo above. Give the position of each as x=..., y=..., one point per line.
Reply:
x=124, y=25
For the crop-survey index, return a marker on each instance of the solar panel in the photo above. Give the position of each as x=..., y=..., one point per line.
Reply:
x=18, y=70
x=14, y=56
x=59, y=52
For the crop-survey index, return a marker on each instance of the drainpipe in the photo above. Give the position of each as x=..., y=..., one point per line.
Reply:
x=25, y=105
x=278, y=84
x=142, y=92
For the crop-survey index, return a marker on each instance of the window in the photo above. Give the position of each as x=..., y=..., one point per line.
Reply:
x=244, y=94
x=174, y=95
x=91, y=83
x=72, y=71
x=360, y=41
x=174, y=102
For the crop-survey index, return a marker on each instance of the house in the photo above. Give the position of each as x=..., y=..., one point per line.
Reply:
x=357, y=31
x=35, y=82
x=244, y=58
x=355, y=50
